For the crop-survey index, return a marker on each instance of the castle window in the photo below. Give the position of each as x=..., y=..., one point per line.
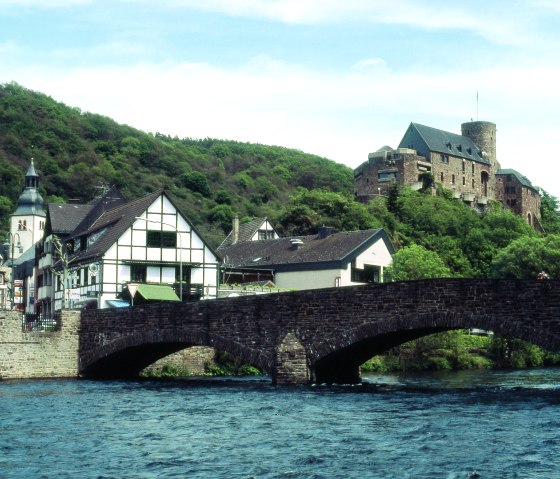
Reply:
x=441, y=177
x=473, y=182
x=444, y=158
x=473, y=168
x=464, y=182
x=387, y=176
x=452, y=179
x=463, y=166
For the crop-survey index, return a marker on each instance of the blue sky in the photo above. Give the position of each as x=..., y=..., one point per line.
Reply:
x=338, y=78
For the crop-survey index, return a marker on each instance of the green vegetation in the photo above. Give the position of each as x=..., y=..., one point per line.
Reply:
x=227, y=365
x=167, y=371
x=461, y=350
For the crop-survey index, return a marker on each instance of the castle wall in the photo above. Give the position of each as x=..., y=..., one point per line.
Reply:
x=376, y=176
x=463, y=176
x=522, y=201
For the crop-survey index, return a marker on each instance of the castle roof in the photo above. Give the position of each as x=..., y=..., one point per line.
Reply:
x=425, y=139
x=522, y=179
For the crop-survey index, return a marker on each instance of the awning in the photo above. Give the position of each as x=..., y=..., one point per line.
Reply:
x=157, y=292
x=118, y=303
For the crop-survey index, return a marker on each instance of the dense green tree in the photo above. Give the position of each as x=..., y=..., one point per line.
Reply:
x=416, y=262
x=197, y=182
x=308, y=210
x=527, y=256
x=550, y=212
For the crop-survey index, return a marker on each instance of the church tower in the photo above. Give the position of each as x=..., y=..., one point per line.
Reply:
x=28, y=220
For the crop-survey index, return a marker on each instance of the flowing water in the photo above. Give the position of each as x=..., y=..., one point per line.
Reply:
x=481, y=424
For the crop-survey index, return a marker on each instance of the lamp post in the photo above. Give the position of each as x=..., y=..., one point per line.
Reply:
x=180, y=251
x=11, y=245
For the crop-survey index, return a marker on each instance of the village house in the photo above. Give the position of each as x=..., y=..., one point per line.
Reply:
x=328, y=259
x=91, y=253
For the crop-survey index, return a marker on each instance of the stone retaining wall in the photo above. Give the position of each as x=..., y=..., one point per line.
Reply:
x=38, y=354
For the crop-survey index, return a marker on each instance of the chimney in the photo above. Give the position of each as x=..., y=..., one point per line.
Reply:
x=325, y=232
x=296, y=243
x=235, y=230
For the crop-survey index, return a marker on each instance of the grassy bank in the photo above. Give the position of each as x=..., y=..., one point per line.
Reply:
x=461, y=350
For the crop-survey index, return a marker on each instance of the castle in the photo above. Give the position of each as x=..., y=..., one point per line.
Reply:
x=466, y=164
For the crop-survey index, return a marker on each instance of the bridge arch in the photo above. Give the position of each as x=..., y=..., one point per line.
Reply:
x=339, y=359
x=128, y=356
x=334, y=328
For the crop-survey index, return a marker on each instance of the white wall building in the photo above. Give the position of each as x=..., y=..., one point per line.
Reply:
x=325, y=260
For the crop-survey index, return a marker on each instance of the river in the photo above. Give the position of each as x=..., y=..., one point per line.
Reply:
x=481, y=424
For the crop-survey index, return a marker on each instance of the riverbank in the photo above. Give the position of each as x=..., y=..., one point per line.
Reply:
x=461, y=350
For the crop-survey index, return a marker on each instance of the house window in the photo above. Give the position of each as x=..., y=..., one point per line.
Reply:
x=138, y=273
x=473, y=183
x=186, y=274
x=161, y=239
x=473, y=168
x=464, y=182
x=452, y=179
x=463, y=166
x=370, y=274
x=441, y=177
x=266, y=235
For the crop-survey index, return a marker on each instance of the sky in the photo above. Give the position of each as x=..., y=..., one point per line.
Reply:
x=336, y=78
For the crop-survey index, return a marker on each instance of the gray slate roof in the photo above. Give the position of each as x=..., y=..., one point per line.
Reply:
x=63, y=218
x=246, y=232
x=117, y=220
x=316, y=252
x=522, y=179
x=424, y=139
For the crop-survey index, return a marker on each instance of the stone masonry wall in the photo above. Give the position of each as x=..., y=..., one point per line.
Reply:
x=193, y=359
x=38, y=354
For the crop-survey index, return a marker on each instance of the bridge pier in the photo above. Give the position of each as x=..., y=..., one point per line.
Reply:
x=291, y=362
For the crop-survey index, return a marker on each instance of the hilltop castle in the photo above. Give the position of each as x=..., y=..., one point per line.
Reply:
x=466, y=164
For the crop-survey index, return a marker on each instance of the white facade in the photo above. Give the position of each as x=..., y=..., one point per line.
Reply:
x=26, y=230
x=376, y=256
x=134, y=258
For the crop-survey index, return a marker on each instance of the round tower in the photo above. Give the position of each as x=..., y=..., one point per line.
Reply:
x=483, y=134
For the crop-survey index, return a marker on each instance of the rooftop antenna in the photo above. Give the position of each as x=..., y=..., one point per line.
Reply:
x=476, y=105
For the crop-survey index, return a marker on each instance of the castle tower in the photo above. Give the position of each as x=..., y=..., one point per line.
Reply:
x=28, y=220
x=483, y=134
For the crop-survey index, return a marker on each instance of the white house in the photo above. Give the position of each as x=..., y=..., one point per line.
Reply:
x=92, y=252
x=324, y=260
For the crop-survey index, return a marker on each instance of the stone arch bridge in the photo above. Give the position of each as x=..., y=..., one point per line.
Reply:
x=318, y=335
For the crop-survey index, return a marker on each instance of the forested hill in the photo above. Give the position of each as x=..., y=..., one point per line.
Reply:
x=76, y=153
